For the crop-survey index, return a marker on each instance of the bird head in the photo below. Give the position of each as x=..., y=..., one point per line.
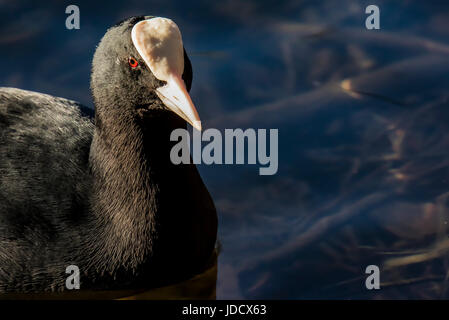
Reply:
x=141, y=66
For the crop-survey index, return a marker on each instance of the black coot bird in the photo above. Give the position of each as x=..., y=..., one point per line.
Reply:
x=103, y=195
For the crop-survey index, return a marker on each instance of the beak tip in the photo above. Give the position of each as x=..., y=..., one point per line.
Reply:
x=197, y=125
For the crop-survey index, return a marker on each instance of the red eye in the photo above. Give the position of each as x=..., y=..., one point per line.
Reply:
x=132, y=62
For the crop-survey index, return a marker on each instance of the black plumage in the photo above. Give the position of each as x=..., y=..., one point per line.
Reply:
x=99, y=193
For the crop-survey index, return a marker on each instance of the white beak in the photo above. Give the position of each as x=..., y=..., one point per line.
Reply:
x=159, y=43
x=174, y=95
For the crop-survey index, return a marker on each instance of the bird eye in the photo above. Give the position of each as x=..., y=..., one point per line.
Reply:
x=132, y=62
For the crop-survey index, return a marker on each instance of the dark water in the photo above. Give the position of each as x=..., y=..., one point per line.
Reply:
x=363, y=119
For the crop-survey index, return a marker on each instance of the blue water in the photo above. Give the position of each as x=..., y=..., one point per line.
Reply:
x=363, y=119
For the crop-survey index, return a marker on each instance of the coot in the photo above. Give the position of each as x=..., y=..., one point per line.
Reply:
x=99, y=191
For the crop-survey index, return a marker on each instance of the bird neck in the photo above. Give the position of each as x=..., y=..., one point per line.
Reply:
x=128, y=158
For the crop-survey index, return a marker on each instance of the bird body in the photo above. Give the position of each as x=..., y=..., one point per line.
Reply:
x=100, y=193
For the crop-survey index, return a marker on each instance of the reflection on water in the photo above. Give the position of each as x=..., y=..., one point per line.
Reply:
x=202, y=286
x=363, y=122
